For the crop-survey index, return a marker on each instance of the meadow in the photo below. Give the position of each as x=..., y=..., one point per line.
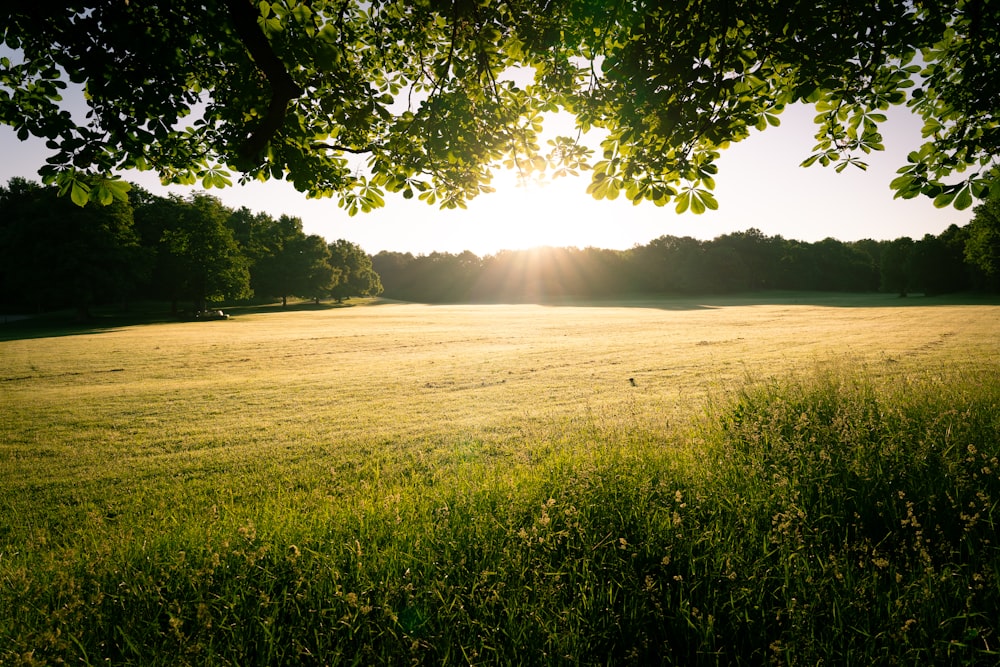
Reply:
x=796, y=479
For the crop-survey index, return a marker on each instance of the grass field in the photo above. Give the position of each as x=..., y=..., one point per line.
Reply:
x=797, y=479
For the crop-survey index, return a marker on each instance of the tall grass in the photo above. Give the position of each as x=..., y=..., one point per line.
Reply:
x=870, y=505
x=842, y=516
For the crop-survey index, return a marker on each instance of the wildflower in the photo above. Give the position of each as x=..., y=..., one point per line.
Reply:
x=203, y=615
x=248, y=532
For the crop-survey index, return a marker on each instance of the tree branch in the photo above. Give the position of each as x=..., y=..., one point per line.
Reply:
x=345, y=149
x=283, y=86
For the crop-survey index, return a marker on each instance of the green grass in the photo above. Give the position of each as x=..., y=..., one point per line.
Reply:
x=796, y=482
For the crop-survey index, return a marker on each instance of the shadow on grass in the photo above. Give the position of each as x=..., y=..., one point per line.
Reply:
x=716, y=301
x=299, y=306
x=65, y=323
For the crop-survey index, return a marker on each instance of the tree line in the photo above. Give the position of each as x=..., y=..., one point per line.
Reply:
x=195, y=251
x=959, y=259
x=186, y=250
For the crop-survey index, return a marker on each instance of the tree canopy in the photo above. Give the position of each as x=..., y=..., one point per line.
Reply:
x=54, y=254
x=427, y=97
x=740, y=262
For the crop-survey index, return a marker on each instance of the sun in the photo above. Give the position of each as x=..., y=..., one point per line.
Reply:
x=538, y=213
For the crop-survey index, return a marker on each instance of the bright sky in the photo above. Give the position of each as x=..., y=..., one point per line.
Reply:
x=759, y=185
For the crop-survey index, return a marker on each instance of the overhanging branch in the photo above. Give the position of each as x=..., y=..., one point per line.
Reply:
x=344, y=149
x=283, y=86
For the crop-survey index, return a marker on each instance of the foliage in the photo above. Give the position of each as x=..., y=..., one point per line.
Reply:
x=729, y=264
x=982, y=248
x=895, y=260
x=280, y=260
x=357, y=277
x=292, y=263
x=937, y=263
x=169, y=248
x=52, y=252
x=432, y=96
x=198, y=259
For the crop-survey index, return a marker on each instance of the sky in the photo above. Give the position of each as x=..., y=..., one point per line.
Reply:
x=759, y=185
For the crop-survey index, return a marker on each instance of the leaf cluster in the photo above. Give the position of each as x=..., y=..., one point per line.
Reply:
x=359, y=99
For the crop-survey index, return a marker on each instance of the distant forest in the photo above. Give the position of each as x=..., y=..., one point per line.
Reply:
x=742, y=262
x=194, y=253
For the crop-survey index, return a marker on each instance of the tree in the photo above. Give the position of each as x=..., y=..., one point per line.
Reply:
x=316, y=276
x=895, y=265
x=197, y=256
x=426, y=98
x=291, y=263
x=670, y=264
x=357, y=277
x=395, y=270
x=982, y=245
x=251, y=231
x=936, y=267
x=54, y=253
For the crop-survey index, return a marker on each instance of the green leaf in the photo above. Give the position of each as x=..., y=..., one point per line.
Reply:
x=709, y=200
x=79, y=193
x=697, y=206
x=613, y=189
x=598, y=189
x=102, y=195
x=901, y=183
x=944, y=199
x=964, y=198
x=683, y=201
